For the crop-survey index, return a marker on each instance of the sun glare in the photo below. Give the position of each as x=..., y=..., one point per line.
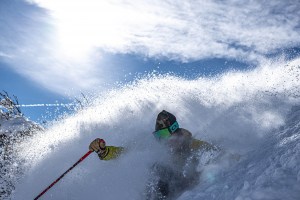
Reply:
x=81, y=26
x=113, y=26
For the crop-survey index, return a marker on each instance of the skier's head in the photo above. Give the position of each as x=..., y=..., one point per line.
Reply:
x=166, y=124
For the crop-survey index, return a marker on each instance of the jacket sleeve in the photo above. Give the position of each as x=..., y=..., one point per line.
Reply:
x=112, y=153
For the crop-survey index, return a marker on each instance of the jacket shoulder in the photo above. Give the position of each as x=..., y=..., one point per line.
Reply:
x=185, y=132
x=199, y=144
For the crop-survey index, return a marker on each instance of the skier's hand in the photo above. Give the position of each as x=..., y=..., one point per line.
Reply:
x=97, y=145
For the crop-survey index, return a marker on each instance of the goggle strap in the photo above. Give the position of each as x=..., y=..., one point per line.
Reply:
x=174, y=127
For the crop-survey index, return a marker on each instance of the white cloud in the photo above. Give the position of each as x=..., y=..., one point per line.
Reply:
x=60, y=49
x=179, y=29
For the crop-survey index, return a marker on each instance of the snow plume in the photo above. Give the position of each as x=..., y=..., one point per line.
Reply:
x=242, y=112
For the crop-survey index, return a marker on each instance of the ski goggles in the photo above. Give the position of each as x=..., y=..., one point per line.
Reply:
x=166, y=132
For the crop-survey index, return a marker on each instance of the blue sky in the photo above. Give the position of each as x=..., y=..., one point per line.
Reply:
x=52, y=50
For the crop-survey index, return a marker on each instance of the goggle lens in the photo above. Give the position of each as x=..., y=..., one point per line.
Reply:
x=163, y=133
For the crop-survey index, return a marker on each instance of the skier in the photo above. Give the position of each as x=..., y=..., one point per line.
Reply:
x=166, y=180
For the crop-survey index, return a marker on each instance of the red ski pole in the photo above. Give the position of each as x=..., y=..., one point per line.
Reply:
x=81, y=159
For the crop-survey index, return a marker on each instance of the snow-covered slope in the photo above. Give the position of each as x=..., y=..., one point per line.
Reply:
x=252, y=113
